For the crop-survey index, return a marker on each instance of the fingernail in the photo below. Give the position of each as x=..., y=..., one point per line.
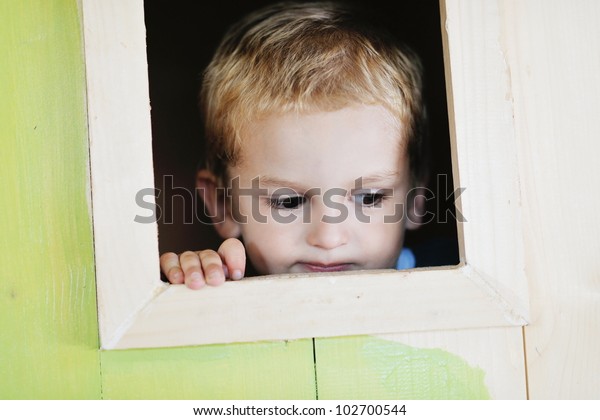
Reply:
x=214, y=276
x=237, y=275
x=196, y=280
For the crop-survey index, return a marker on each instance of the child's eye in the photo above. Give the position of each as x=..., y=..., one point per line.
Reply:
x=288, y=202
x=369, y=199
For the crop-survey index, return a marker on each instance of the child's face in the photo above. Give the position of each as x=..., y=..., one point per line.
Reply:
x=314, y=160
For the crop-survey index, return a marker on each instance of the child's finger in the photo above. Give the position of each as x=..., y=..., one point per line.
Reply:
x=192, y=269
x=232, y=252
x=169, y=265
x=212, y=267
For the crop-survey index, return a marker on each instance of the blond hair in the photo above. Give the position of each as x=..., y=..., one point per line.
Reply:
x=304, y=57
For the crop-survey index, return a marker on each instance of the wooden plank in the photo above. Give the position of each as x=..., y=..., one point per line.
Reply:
x=465, y=364
x=126, y=250
x=283, y=370
x=127, y=253
x=552, y=52
x=47, y=297
x=474, y=363
x=290, y=307
x=485, y=147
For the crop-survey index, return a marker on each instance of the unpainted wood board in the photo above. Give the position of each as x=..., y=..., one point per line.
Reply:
x=553, y=55
x=126, y=249
x=267, y=370
x=49, y=335
x=484, y=146
x=294, y=307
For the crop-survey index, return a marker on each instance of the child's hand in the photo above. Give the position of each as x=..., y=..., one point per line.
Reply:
x=196, y=269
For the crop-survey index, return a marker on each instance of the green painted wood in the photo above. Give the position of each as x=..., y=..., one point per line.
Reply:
x=48, y=327
x=365, y=367
x=273, y=370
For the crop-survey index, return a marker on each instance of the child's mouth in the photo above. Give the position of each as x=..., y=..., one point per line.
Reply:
x=326, y=268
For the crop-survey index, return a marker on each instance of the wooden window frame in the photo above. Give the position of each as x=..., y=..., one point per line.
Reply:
x=137, y=310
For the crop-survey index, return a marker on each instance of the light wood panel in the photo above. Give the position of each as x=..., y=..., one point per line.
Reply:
x=553, y=56
x=126, y=251
x=484, y=145
x=48, y=326
x=290, y=307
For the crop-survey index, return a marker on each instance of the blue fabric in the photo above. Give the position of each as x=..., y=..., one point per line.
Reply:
x=406, y=260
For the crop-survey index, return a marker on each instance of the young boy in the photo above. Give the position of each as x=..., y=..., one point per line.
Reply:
x=314, y=123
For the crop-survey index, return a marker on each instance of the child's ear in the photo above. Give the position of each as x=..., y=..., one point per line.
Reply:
x=415, y=208
x=215, y=204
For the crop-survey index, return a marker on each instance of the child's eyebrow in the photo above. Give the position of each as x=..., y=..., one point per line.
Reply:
x=273, y=182
x=376, y=178
x=387, y=176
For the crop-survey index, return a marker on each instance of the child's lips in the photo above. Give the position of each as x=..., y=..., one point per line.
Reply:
x=316, y=267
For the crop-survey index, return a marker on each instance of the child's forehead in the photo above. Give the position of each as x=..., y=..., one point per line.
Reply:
x=334, y=111
x=322, y=147
x=336, y=126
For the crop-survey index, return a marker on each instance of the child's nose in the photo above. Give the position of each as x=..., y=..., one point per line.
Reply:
x=327, y=235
